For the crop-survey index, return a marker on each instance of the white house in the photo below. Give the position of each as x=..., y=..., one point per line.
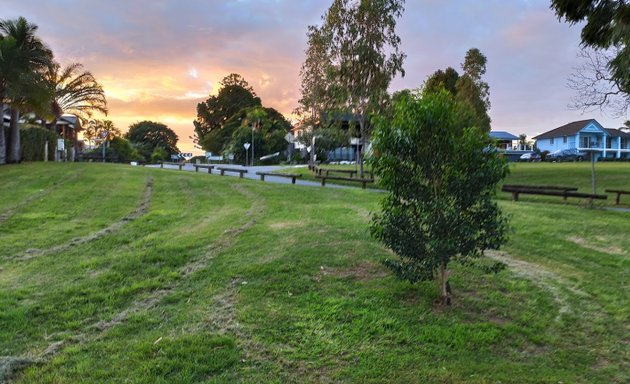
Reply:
x=586, y=136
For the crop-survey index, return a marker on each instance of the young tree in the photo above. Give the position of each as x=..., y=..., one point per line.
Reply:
x=365, y=57
x=441, y=175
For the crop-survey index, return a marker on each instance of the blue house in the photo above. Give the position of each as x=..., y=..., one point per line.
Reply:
x=587, y=136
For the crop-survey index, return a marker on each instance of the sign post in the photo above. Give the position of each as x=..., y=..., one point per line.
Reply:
x=246, y=146
x=104, y=141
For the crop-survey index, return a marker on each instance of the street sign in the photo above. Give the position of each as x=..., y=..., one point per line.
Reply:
x=246, y=145
x=289, y=137
x=61, y=145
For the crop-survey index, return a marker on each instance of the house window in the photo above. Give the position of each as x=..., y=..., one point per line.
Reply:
x=564, y=139
x=551, y=141
x=608, y=142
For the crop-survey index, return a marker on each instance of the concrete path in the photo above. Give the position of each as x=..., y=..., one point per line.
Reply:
x=251, y=173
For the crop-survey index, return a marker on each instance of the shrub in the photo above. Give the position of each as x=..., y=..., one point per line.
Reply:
x=33, y=140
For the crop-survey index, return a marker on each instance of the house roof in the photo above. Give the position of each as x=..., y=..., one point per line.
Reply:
x=502, y=135
x=617, y=133
x=565, y=130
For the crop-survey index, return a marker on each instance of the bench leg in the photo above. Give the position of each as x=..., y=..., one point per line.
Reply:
x=323, y=181
x=196, y=169
x=514, y=196
x=363, y=184
x=262, y=177
x=180, y=167
x=617, y=199
x=209, y=170
x=293, y=180
x=241, y=175
x=222, y=171
x=161, y=165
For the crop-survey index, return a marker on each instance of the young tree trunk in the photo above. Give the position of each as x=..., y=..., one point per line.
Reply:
x=3, y=139
x=361, y=144
x=445, y=289
x=14, y=137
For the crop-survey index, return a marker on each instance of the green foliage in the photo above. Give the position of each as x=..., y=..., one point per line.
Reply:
x=235, y=94
x=123, y=149
x=365, y=56
x=148, y=135
x=159, y=154
x=441, y=175
x=468, y=89
x=33, y=140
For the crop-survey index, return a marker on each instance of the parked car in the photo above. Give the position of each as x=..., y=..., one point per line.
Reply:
x=532, y=156
x=567, y=155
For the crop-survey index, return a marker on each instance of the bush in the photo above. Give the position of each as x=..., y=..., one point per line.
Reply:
x=159, y=154
x=33, y=140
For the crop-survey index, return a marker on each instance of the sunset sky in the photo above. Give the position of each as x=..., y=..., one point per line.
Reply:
x=158, y=59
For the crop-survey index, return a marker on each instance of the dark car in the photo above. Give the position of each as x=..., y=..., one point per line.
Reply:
x=530, y=156
x=567, y=155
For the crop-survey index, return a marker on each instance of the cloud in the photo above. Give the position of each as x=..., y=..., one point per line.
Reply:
x=158, y=59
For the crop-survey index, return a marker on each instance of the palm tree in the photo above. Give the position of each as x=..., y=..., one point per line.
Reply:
x=74, y=92
x=23, y=56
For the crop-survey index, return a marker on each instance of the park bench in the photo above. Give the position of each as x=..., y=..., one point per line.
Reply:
x=362, y=181
x=293, y=176
x=180, y=165
x=351, y=172
x=209, y=167
x=241, y=171
x=549, y=190
x=619, y=192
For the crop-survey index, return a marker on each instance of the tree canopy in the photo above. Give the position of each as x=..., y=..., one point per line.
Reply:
x=468, y=88
x=149, y=135
x=435, y=211
x=234, y=95
x=365, y=56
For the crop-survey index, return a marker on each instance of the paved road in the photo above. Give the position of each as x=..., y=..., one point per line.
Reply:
x=251, y=173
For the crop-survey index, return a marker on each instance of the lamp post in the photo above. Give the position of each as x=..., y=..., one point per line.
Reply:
x=252, y=145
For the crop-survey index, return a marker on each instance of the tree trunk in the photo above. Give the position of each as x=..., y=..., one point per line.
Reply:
x=3, y=139
x=361, y=144
x=14, y=137
x=445, y=289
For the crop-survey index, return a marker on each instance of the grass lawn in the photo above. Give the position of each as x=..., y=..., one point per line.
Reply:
x=112, y=273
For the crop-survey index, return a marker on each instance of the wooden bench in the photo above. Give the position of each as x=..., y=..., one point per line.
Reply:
x=351, y=172
x=180, y=165
x=239, y=170
x=293, y=176
x=197, y=166
x=362, y=181
x=619, y=192
x=516, y=189
x=548, y=190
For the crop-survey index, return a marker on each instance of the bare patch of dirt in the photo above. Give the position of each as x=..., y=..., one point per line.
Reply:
x=282, y=225
x=612, y=250
x=10, y=365
x=362, y=271
x=141, y=210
